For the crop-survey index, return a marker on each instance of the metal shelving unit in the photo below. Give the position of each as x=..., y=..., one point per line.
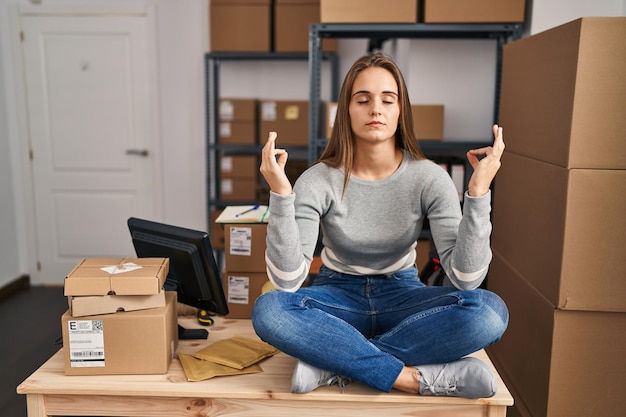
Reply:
x=378, y=33
x=213, y=62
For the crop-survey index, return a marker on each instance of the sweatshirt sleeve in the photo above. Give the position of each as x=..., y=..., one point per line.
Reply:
x=462, y=241
x=290, y=242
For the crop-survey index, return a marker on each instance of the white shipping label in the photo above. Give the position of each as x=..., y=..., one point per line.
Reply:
x=227, y=110
x=238, y=290
x=269, y=111
x=241, y=241
x=86, y=343
x=226, y=164
x=225, y=130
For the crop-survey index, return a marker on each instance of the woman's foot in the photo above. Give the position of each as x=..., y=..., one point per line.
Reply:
x=468, y=377
x=306, y=378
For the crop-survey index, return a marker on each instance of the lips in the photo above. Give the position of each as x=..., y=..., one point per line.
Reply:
x=374, y=123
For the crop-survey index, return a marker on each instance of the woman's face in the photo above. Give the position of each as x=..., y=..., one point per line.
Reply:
x=374, y=106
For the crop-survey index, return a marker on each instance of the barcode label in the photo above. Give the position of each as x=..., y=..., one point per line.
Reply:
x=86, y=343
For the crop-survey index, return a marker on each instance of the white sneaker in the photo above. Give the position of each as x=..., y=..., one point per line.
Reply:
x=306, y=378
x=468, y=378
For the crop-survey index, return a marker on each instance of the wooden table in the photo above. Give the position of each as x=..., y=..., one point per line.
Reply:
x=49, y=392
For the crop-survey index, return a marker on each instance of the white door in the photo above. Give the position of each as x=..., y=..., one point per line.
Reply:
x=91, y=100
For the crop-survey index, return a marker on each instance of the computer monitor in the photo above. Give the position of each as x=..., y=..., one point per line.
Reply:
x=193, y=270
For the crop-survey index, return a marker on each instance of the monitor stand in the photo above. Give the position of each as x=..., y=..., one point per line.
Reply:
x=186, y=334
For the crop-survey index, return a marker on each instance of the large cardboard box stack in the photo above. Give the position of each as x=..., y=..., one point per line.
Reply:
x=244, y=258
x=240, y=25
x=120, y=320
x=559, y=228
x=238, y=177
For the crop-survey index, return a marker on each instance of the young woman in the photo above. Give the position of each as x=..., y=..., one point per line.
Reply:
x=367, y=316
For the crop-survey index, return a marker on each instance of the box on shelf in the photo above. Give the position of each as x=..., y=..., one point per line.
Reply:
x=564, y=230
x=239, y=166
x=240, y=25
x=428, y=121
x=368, y=11
x=238, y=123
x=289, y=118
x=120, y=276
x=238, y=109
x=475, y=11
x=291, y=25
x=546, y=352
x=245, y=247
x=238, y=189
x=241, y=290
x=135, y=342
x=81, y=306
x=563, y=94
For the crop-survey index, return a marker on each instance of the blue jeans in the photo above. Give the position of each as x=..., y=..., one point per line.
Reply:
x=368, y=327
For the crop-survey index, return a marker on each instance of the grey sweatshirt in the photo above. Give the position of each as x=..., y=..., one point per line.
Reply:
x=374, y=227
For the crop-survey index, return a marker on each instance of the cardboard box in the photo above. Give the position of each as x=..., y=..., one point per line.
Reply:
x=564, y=230
x=474, y=11
x=368, y=11
x=238, y=133
x=563, y=94
x=245, y=247
x=241, y=290
x=108, y=304
x=238, y=109
x=291, y=25
x=289, y=118
x=428, y=121
x=239, y=166
x=135, y=342
x=216, y=231
x=120, y=276
x=557, y=361
x=240, y=25
x=238, y=189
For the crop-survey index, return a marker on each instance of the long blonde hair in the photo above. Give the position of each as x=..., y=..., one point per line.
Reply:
x=339, y=151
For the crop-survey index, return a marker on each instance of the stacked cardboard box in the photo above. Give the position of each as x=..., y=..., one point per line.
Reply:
x=264, y=25
x=244, y=258
x=240, y=25
x=290, y=118
x=238, y=125
x=475, y=11
x=369, y=11
x=559, y=228
x=120, y=320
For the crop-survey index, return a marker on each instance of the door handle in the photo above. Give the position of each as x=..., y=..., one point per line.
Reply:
x=138, y=152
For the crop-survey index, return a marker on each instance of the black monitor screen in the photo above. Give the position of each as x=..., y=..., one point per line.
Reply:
x=193, y=269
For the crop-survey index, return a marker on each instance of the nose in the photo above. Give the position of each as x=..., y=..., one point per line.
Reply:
x=375, y=111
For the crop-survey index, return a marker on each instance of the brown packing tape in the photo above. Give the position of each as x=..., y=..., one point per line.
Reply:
x=236, y=352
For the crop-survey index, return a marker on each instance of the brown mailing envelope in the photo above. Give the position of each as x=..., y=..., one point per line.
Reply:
x=237, y=352
x=198, y=369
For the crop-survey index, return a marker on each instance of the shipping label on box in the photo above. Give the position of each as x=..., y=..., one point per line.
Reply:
x=120, y=276
x=135, y=342
x=245, y=247
x=242, y=289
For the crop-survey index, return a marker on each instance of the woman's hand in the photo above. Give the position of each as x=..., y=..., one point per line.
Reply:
x=273, y=163
x=485, y=169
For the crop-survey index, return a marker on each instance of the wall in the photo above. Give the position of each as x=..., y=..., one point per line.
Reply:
x=183, y=39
